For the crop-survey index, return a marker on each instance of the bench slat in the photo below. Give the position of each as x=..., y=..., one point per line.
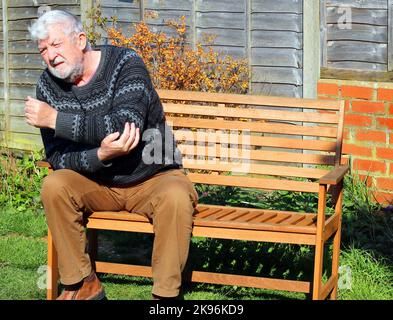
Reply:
x=278, y=128
x=222, y=213
x=307, y=221
x=264, y=217
x=234, y=215
x=220, y=151
x=294, y=220
x=248, y=216
x=280, y=218
x=210, y=277
x=248, y=99
x=209, y=212
x=267, y=184
x=253, y=140
x=271, y=170
x=262, y=114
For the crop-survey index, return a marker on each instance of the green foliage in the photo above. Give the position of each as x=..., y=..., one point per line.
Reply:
x=365, y=223
x=20, y=180
x=252, y=198
x=252, y=258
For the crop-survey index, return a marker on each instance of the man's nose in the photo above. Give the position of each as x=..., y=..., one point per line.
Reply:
x=51, y=54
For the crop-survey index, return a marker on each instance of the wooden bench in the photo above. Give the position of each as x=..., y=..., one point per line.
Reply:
x=256, y=142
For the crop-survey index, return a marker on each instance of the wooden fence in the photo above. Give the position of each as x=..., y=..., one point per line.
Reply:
x=280, y=39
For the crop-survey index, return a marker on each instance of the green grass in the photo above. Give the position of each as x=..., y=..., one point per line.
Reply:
x=23, y=254
x=27, y=223
x=372, y=279
x=19, y=284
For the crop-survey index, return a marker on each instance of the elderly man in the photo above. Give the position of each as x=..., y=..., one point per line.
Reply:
x=100, y=118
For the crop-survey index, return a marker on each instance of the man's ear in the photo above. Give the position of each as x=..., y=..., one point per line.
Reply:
x=82, y=41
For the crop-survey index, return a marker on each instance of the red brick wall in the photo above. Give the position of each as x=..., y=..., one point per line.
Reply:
x=368, y=130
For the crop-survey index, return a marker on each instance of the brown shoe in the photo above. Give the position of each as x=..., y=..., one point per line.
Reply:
x=88, y=289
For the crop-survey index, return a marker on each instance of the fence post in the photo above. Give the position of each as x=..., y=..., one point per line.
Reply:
x=86, y=5
x=6, y=74
x=249, y=41
x=311, y=48
x=323, y=31
x=193, y=22
x=142, y=10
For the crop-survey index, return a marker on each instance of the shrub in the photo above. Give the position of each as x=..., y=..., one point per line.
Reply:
x=20, y=180
x=171, y=60
x=365, y=223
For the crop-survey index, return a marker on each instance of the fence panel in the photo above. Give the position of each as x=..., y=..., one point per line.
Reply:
x=357, y=34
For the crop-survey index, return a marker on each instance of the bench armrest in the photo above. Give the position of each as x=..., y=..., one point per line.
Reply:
x=334, y=176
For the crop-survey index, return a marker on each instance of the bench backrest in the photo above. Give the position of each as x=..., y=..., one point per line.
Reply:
x=255, y=141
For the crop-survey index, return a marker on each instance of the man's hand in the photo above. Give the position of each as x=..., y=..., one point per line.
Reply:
x=112, y=146
x=40, y=114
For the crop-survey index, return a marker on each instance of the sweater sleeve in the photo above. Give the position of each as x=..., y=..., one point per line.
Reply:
x=130, y=103
x=63, y=154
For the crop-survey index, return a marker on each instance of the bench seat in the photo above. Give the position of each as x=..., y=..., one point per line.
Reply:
x=229, y=218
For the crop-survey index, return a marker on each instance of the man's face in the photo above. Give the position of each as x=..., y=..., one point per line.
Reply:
x=63, y=54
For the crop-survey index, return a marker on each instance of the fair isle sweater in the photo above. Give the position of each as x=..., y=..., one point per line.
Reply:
x=120, y=91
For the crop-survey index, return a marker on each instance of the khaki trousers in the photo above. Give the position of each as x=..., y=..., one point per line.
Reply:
x=167, y=198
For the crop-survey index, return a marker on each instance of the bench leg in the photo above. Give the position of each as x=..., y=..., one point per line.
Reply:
x=318, y=265
x=52, y=272
x=335, y=263
x=319, y=244
x=336, y=243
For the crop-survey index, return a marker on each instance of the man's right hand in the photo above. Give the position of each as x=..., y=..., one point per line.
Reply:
x=114, y=146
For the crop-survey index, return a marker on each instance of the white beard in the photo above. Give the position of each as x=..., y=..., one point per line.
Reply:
x=70, y=76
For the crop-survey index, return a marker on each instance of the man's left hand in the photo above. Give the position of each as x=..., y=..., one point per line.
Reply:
x=40, y=114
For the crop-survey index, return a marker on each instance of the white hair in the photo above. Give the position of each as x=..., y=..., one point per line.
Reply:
x=39, y=29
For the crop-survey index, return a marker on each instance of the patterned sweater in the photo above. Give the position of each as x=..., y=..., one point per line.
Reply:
x=120, y=91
